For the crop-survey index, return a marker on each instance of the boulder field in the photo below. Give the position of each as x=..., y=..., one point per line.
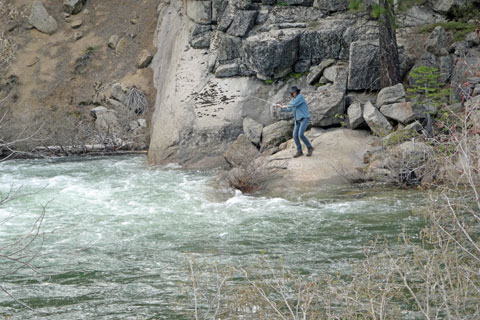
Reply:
x=222, y=65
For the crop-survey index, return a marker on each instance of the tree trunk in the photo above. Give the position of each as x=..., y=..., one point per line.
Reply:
x=389, y=61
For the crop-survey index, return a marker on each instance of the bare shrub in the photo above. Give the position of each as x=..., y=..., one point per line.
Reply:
x=250, y=178
x=8, y=48
x=137, y=102
x=432, y=275
x=19, y=252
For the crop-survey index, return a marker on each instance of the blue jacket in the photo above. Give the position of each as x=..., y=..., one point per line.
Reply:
x=299, y=107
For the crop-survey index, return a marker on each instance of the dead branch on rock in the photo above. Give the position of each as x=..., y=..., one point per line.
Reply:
x=137, y=102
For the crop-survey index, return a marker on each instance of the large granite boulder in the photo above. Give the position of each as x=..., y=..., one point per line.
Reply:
x=401, y=112
x=428, y=59
x=276, y=133
x=227, y=70
x=438, y=42
x=326, y=105
x=331, y=5
x=445, y=6
x=339, y=156
x=199, y=11
x=355, y=115
x=73, y=6
x=322, y=43
x=305, y=3
x=253, y=130
x=465, y=72
x=241, y=152
x=242, y=4
x=227, y=18
x=218, y=8
x=375, y=120
x=281, y=14
x=391, y=95
x=200, y=36
x=337, y=75
x=418, y=16
x=229, y=49
x=272, y=54
x=363, y=66
x=41, y=20
x=242, y=22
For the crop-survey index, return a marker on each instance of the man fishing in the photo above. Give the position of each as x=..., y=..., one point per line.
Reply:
x=299, y=107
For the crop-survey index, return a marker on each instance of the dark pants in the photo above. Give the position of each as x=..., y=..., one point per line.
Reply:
x=298, y=133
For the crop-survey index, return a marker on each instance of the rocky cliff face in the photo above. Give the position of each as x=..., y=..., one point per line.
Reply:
x=220, y=61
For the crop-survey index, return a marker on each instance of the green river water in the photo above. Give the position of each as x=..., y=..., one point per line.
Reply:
x=117, y=233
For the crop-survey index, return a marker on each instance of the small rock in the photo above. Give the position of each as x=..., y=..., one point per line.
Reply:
x=116, y=104
x=66, y=15
x=96, y=112
x=113, y=41
x=413, y=126
x=476, y=91
x=323, y=80
x=41, y=20
x=85, y=12
x=134, y=21
x=142, y=123
x=132, y=125
x=121, y=46
x=76, y=23
x=144, y=59
x=472, y=38
x=78, y=35
x=73, y=6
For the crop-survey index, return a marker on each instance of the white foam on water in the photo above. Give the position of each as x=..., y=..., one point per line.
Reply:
x=122, y=221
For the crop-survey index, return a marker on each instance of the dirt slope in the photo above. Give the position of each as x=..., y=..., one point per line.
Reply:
x=48, y=78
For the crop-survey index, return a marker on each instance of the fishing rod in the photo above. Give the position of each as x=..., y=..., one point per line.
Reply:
x=274, y=103
x=269, y=102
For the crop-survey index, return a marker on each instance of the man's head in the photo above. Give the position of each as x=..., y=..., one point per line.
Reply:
x=294, y=91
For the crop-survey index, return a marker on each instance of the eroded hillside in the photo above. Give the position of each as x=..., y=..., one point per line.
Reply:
x=53, y=80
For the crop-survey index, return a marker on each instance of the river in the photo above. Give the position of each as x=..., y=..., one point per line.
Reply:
x=118, y=233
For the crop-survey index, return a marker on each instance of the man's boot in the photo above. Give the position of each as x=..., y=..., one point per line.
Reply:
x=310, y=151
x=298, y=154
